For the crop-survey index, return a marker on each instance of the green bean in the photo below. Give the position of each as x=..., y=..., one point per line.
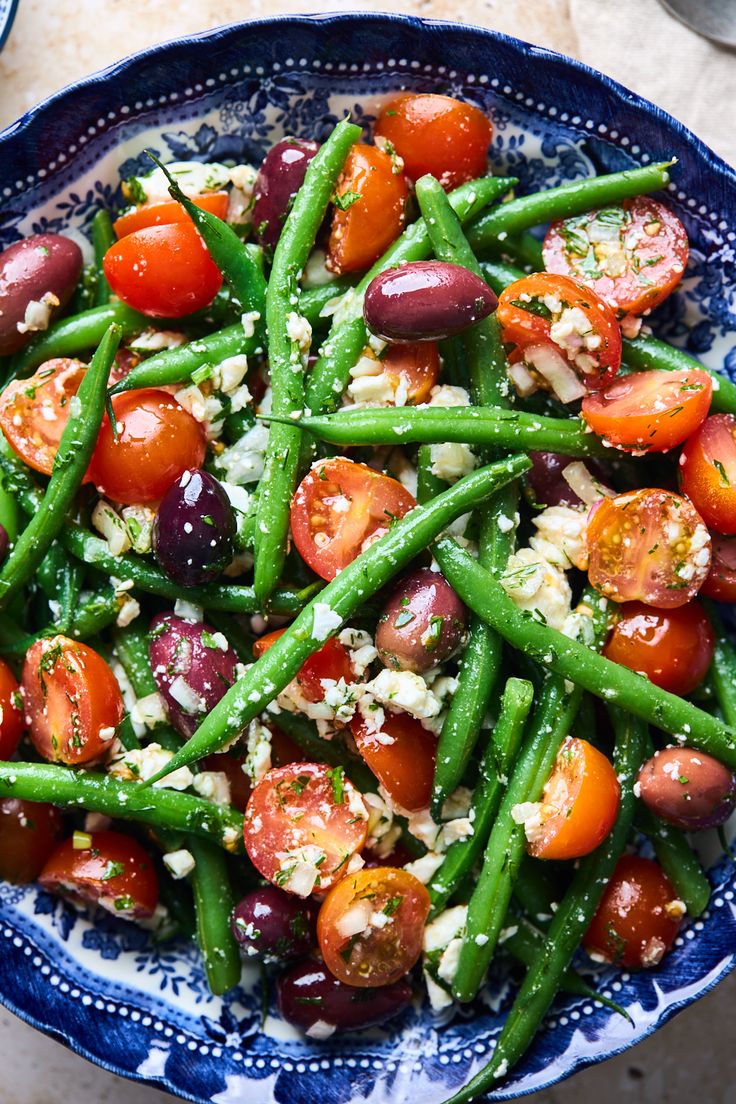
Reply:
x=524, y=250
x=536, y=890
x=72, y=336
x=677, y=859
x=103, y=237
x=176, y=899
x=646, y=352
x=341, y=598
x=575, y=198
x=70, y=584
x=572, y=660
x=102, y=793
x=70, y=463
x=213, y=903
x=131, y=648
x=286, y=355
x=97, y=613
x=723, y=668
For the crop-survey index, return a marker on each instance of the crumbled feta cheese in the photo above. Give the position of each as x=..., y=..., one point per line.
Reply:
x=299, y=869
x=538, y=586
x=383, y=833
x=230, y=373
x=244, y=461
x=528, y=813
x=187, y=610
x=38, y=313
x=153, y=341
x=248, y=322
x=561, y=537
x=179, y=863
x=240, y=200
x=425, y=868
x=316, y=272
x=138, y=522
x=445, y=394
x=404, y=691
x=213, y=785
x=129, y=610
x=451, y=461
x=111, y=526
x=149, y=711
x=325, y=621
x=140, y=764
x=299, y=331
x=258, y=756
x=320, y=1030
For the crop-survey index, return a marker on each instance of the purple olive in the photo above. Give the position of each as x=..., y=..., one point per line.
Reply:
x=194, y=529
x=425, y=301
x=273, y=926
x=192, y=668
x=547, y=481
x=279, y=178
x=688, y=788
x=422, y=623
x=310, y=997
x=43, y=269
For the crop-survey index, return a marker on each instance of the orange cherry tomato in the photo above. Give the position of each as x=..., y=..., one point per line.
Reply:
x=330, y=662
x=638, y=918
x=415, y=368
x=163, y=271
x=29, y=832
x=72, y=701
x=437, y=135
x=632, y=255
x=554, y=311
x=157, y=441
x=114, y=873
x=168, y=211
x=34, y=411
x=648, y=545
x=11, y=712
x=363, y=228
x=402, y=757
x=339, y=509
x=650, y=411
x=721, y=581
x=708, y=472
x=303, y=824
x=579, y=804
x=673, y=648
x=371, y=925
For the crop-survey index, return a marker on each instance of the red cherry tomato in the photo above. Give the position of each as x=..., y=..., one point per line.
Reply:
x=579, y=804
x=721, y=582
x=437, y=135
x=648, y=545
x=72, y=701
x=330, y=662
x=633, y=255
x=708, y=472
x=415, y=368
x=158, y=440
x=363, y=228
x=673, y=648
x=650, y=411
x=339, y=508
x=402, y=757
x=303, y=824
x=554, y=311
x=167, y=212
x=29, y=832
x=163, y=271
x=11, y=712
x=638, y=918
x=114, y=872
x=34, y=411
x=371, y=924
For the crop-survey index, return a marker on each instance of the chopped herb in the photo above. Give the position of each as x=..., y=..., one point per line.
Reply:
x=346, y=200
x=112, y=870
x=722, y=472
x=337, y=777
x=392, y=906
x=135, y=190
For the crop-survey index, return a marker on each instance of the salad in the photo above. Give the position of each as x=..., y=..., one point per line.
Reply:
x=359, y=553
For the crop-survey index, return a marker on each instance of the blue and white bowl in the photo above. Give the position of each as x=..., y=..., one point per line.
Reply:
x=99, y=985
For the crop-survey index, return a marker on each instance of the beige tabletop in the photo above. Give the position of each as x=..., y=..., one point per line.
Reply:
x=694, y=1058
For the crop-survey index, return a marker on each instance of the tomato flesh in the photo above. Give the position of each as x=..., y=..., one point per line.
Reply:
x=721, y=582
x=339, y=507
x=648, y=545
x=708, y=472
x=673, y=648
x=371, y=924
x=363, y=228
x=71, y=699
x=113, y=872
x=168, y=211
x=11, y=712
x=650, y=411
x=330, y=662
x=29, y=832
x=303, y=825
x=402, y=757
x=34, y=411
x=438, y=135
x=638, y=918
x=413, y=368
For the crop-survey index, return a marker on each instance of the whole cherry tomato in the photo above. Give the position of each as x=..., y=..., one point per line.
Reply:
x=672, y=647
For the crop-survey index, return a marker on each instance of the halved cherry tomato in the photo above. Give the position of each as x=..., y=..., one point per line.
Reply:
x=548, y=310
x=673, y=648
x=708, y=472
x=72, y=701
x=401, y=756
x=721, y=582
x=11, y=712
x=163, y=271
x=114, y=872
x=283, y=751
x=638, y=918
x=579, y=804
x=371, y=925
x=437, y=135
x=339, y=509
x=29, y=832
x=650, y=411
x=168, y=211
x=633, y=255
x=364, y=227
x=415, y=368
x=303, y=824
x=157, y=441
x=330, y=662
x=34, y=411
x=648, y=545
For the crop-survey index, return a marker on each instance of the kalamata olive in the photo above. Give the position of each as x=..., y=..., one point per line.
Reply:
x=193, y=666
x=37, y=277
x=422, y=622
x=279, y=178
x=194, y=529
x=547, y=482
x=273, y=926
x=688, y=788
x=425, y=301
x=311, y=998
